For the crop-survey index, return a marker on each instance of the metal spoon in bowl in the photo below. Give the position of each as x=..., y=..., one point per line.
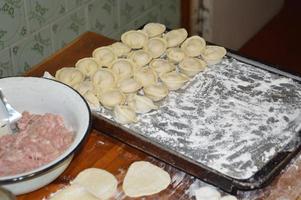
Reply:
x=8, y=116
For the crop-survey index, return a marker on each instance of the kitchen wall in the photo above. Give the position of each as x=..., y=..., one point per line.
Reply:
x=31, y=30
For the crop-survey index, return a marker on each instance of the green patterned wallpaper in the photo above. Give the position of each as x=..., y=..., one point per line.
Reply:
x=31, y=30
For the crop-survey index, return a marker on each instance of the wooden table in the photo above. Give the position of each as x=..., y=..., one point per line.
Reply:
x=101, y=150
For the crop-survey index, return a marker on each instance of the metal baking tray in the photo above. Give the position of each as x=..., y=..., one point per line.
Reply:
x=228, y=126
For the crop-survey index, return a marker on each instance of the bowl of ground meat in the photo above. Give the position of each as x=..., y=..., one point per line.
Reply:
x=55, y=122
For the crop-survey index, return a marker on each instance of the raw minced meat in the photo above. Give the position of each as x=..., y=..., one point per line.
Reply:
x=41, y=139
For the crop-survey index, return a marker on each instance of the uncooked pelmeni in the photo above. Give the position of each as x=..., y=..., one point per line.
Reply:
x=141, y=104
x=156, y=92
x=192, y=66
x=129, y=85
x=69, y=75
x=104, y=79
x=92, y=100
x=175, y=55
x=154, y=29
x=213, y=54
x=120, y=49
x=123, y=68
x=134, y=39
x=100, y=183
x=111, y=98
x=175, y=37
x=174, y=80
x=104, y=56
x=162, y=66
x=156, y=47
x=228, y=197
x=84, y=86
x=87, y=66
x=144, y=178
x=207, y=193
x=74, y=192
x=124, y=114
x=140, y=58
x=193, y=46
x=146, y=76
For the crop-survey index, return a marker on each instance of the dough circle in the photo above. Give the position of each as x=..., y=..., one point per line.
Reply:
x=207, y=193
x=74, y=192
x=99, y=182
x=144, y=178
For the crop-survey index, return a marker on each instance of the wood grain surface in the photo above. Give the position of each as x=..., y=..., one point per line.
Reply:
x=101, y=150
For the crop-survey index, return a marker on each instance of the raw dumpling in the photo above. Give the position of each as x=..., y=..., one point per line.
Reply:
x=134, y=39
x=111, y=98
x=74, y=192
x=129, y=85
x=87, y=66
x=144, y=178
x=175, y=55
x=92, y=100
x=193, y=46
x=124, y=114
x=104, y=56
x=156, y=47
x=120, y=49
x=156, y=92
x=123, y=68
x=141, y=104
x=213, y=54
x=175, y=37
x=207, y=193
x=154, y=29
x=192, y=66
x=146, y=76
x=69, y=75
x=174, y=80
x=104, y=79
x=162, y=66
x=140, y=58
x=84, y=87
x=100, y=183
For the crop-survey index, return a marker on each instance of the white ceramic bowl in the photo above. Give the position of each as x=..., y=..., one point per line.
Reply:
x=39, y=96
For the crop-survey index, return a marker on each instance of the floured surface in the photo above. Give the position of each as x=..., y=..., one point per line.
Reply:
x=230, y=118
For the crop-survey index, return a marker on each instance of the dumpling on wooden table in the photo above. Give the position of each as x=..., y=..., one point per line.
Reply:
x=129, y=85
x=104, y=56
x=141, y=104
x=69, y=75
x=213, y=54
x=111, y=98
x=154, y=29
x=140, y=58
x=156, y=47
x=174, y=80
x=120, y=49
x=175, y=55
x=175, y=37
x=192, y=66
x=135, y=39
x=123, y=68
x=162, y=66
x=193, y=46
x=124, y=114
x=88, y=66
x=104, y=79
x=146, y=76
x=156, y=92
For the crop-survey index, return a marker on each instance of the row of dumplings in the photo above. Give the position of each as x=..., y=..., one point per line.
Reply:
x=129, y=76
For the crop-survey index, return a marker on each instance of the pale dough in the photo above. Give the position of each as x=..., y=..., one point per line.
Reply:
x=100, y=183
x=144, y=178
x=228, y=197
x=207, y=193
x=74, y=192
